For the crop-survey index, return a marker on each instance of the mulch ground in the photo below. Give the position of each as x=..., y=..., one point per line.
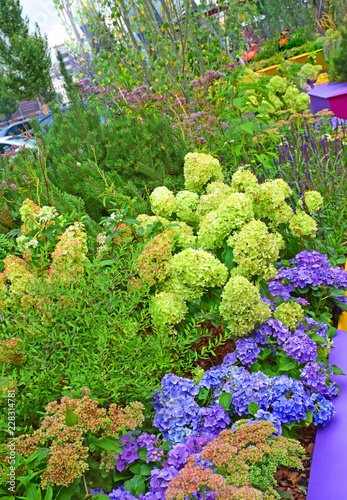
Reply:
x=290, y=481
x=295, y=482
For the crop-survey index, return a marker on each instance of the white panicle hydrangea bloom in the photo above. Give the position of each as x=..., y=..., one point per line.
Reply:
x=275, y=101
x=180, y=230
x=233, y=213
x=309, y=72
x=148, y=220
x=184, y=235
x=313, y=201
x=199, y=169
x=241, y=307
x=47, y=214
x=211, y=201
x=218, y=187
x=244, y=181
x=194, y=271
x=163, y=201
x=303, y=225
x=291, y=95
x=290, y=314
x=270, y=202
x=278, y=84
x=186, y=202
x=256, y=250
x=168, y=308
x=302, y=102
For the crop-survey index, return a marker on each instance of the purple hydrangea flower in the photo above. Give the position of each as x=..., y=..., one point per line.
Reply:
x=317, y=377
x=247, y=351
x=300, y=347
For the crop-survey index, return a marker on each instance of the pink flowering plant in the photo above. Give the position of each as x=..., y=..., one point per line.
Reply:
x=72, y=436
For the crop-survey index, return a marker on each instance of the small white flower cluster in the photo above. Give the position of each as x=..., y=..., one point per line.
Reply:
x=47, y=214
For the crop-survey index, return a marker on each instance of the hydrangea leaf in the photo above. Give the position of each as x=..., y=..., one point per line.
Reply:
x=253, y=408
x=108, y=444
x=286, y=364
x=337, y=370
x=135, y=485
x=318, y=339
x=142, y=453
x=225, y=400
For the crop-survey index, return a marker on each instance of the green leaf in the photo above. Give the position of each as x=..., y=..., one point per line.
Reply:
x=255, y=367
x=71, y=418
x=247, y=127
x=318, y=339
x=99, y=496
x=67, y=493
x=341, y=305
x=238, y=102
x=228, y=257
x=136, y=485
x=49, y=233
x=331, y=332
x=264, y=290
x=118, y=476
x=225, y=400
x=286, y=364
x=282, y=494
x=49, y=493
x=337, y=293
x=108, y=262
x=131, y=221
x=337, y=370
x=140, y=230
x=135, y=469
x=253, y=408
x=108, y=444
x=309, y=417
x=142, y=453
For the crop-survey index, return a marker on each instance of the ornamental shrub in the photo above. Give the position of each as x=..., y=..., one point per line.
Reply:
x=236, y=229
x=167, y=308
x=233, y=213
x=313, y=201
x=290, y=314
x=302, y=225
x=256, y=250
x=64, y=431
x=199, y=169
x=249, y=455
x=194, y=271
x=163, y=202
x=241, y=306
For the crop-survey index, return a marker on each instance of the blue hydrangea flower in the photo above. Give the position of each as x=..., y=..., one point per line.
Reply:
x=247, y=351
x=324, y=410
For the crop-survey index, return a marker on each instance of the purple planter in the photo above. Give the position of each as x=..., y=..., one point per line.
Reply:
x=332, y=96
x=329, y=463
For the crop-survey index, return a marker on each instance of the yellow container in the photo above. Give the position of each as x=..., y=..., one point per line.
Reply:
x=342, y=325
x=300, y=59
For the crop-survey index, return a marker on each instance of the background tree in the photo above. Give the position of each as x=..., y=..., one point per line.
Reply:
x=24, y=57
x=69, y=84
x=7, y=106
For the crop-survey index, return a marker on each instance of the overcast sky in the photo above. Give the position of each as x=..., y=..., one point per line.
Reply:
x=43, y=13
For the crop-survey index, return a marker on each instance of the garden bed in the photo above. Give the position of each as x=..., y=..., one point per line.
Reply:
x=300, y=59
